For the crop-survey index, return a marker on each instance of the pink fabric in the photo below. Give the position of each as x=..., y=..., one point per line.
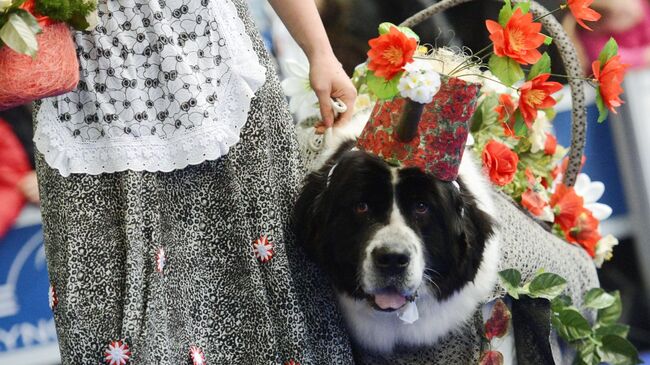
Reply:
x=632, y=43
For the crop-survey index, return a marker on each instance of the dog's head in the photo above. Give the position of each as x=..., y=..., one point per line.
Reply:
x=385, y=235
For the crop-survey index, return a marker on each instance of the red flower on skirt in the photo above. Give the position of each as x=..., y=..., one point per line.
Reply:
x=53, y=298
x=292, y=362
x=197, y=356
x=263, y=249
x=161, y=260
x=117, y=353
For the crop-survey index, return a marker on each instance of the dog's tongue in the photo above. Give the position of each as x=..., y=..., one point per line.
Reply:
x=390, y=301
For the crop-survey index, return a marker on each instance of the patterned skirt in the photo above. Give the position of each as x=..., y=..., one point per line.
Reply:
x=193, y=266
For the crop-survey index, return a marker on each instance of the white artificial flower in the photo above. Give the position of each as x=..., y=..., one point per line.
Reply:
x=92, y=18
x=604, y=250
x=4, y=4
x=303, y=102
x=420, y=82
x=363, y=102
x=538, y=136
x=547, y=215
x=591, y=192
x=491, y=84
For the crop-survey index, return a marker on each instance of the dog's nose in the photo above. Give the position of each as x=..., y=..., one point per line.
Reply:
x=389, y=261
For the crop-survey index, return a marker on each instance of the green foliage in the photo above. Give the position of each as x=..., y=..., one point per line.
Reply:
x=511, y=279
x=506, y=69
x=506, y=13
x=605, y=341
x=381, y=88
x=19, y=32
x=485, y=114
x=385, y=28
x=603, y=112
x=543, y=66
x=73, y=12
x=610, y=50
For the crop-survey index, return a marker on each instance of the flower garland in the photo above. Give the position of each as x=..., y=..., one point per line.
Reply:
x=22, y=20
x=512, y=128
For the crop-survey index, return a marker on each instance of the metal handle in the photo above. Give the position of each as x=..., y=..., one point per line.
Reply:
x=571, y=64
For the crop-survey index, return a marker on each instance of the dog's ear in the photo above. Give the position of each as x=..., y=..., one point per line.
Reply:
x=312, y=209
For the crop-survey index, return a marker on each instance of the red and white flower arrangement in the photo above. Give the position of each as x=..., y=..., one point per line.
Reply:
x=197, y=356
x=263, y=249
x=117, y=353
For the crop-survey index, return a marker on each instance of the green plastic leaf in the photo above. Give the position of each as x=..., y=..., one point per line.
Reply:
x=616, y=329
x=618, y=351
x=505, y=14
x=597, y=298
x=384, y=27
x=524, y=6
x=571, y=325
x=548, y=40
x=28, y=18
x=543, y=66
x=561, y=302
x=609, y=50
x=587, y=354
x=611, y=314
x=409, y=33
x=506, y=69
x=511, y=280
x=547, y=285
x=383, y=89
x=18, y=35
x=603, y=112
x=521, y=129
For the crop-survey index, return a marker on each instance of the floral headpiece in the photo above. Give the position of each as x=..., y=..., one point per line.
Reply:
x=422, y=118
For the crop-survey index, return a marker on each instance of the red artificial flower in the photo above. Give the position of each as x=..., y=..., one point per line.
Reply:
x=263, y=249
x=519, y=39
x=537, y=94
x=390, y=52
x=497, y=324
x=530, y=177
x=610, y=77
x=491, y=358
x=533, y=202
x=506, y=110
x=585, y=232
x=30, y=6
x=501, y=162
x=550, y=146
x=567, y=205
x=197, y=356
x=581, y=11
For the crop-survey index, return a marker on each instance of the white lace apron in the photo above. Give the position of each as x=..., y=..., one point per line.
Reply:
x=164, y=84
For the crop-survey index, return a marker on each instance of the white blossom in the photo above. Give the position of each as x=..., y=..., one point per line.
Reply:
x=303, y=102
x=604, y=249
x=538, y=132
x=4, y=4
x=420, y=82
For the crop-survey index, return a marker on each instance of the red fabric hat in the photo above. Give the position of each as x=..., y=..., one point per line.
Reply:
x=431, y=137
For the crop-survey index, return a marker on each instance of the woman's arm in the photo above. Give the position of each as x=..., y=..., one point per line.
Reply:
x=326, y=74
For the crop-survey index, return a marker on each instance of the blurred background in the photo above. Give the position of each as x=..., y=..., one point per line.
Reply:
x=618, y=154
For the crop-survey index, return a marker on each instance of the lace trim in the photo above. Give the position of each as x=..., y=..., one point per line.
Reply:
x=209, y=141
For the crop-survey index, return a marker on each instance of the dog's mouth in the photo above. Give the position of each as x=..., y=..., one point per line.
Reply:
x=390, y=301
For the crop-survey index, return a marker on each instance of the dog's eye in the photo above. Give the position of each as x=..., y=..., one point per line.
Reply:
x=361, y=208
x=421, y=208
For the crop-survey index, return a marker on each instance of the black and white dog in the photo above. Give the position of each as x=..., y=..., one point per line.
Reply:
x=411, y=257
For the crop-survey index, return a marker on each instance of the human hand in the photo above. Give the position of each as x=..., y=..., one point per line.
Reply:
x=29, y=187
x=329, y=81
